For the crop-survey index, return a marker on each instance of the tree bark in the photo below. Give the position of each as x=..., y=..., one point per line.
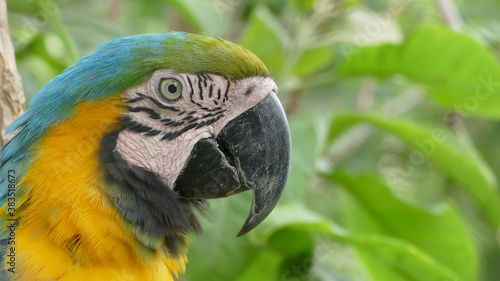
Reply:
x=11, y=90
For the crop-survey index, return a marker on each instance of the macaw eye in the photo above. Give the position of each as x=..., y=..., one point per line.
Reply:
x=170, y=89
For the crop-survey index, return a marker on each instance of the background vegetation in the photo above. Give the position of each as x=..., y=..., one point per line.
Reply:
x=394, y=109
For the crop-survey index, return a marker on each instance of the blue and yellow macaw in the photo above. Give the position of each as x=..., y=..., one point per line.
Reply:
x=113, y=157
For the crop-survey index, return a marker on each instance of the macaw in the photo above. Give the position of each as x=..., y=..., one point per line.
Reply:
x=114, y=158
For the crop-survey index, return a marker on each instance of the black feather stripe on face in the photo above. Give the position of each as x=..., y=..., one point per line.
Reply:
x=156, y=102
x=200, y=87
x=191, y=93
x=227, y=90
x=169, y=128
x=152, y=114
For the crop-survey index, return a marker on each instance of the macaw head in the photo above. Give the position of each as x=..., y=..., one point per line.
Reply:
x=194, y=117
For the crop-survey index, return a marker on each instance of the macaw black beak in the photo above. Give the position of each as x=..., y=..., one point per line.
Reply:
x=251, y=152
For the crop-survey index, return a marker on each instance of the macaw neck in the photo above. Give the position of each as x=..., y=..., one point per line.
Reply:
x=157, y=216
x=76, y=220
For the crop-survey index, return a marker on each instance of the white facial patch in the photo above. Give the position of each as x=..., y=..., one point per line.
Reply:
x=159, y=133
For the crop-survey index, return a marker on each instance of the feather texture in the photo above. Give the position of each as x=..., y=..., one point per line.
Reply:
x=57, y=213
x=61, y=184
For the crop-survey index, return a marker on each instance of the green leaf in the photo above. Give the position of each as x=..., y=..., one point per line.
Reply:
x=312, y=61
x=305, y=130
x=369, y=207
x=23, y=30
x=52, y=12
x=265, y=38
x=264, y=267
x=396, y=260
x=304, y=5
x=291, y=241
x=455, y=156
x=459, y=73
x=90, y=31
x=218, y=253
x=205, y=16
x=403, y=259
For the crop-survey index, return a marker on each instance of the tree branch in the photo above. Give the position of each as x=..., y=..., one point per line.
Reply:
x=11, y=90
x=450, y=14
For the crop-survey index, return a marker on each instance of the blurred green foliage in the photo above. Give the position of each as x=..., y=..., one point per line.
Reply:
x=394, y=120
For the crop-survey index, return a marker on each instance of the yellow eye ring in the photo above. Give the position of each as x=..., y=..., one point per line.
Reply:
x=170, y=89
